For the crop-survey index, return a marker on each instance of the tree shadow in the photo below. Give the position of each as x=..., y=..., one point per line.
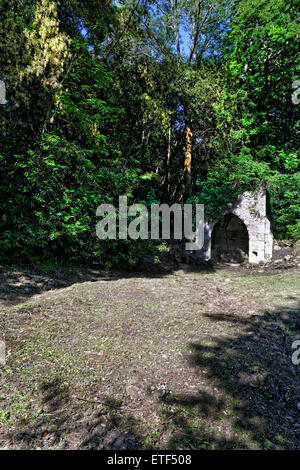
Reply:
x=252, y=370
x=18, y=285
x=66, y=423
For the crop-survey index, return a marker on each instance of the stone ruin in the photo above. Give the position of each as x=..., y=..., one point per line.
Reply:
x=242, y=234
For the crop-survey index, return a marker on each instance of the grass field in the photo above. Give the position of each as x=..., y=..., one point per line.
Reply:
x=189, y=359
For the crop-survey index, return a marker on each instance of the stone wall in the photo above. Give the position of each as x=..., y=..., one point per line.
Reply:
x=251, y=209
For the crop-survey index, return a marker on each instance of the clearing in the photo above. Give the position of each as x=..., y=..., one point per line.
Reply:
x=185, y=359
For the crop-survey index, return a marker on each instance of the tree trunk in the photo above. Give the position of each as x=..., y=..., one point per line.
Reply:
x=188, y=159
x=167, y=178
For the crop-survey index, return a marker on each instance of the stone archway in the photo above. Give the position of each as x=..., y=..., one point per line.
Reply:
x=230, y=240
x=247, y=231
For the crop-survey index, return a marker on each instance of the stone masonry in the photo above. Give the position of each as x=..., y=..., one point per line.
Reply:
x=250, y=208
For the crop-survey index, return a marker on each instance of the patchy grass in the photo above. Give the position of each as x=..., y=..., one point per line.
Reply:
x=182, y=360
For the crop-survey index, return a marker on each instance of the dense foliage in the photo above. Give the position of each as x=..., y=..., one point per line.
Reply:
x=162, y=101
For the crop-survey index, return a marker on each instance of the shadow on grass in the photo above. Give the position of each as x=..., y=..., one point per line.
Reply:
x=250, y=397
x=68, y=423
x=252, y=380
x=19, y=285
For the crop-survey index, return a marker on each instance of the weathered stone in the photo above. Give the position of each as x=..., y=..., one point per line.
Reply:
x=296, y=248
x=243, y=233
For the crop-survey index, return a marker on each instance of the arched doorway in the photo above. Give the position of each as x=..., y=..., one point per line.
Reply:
x=230, y=240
